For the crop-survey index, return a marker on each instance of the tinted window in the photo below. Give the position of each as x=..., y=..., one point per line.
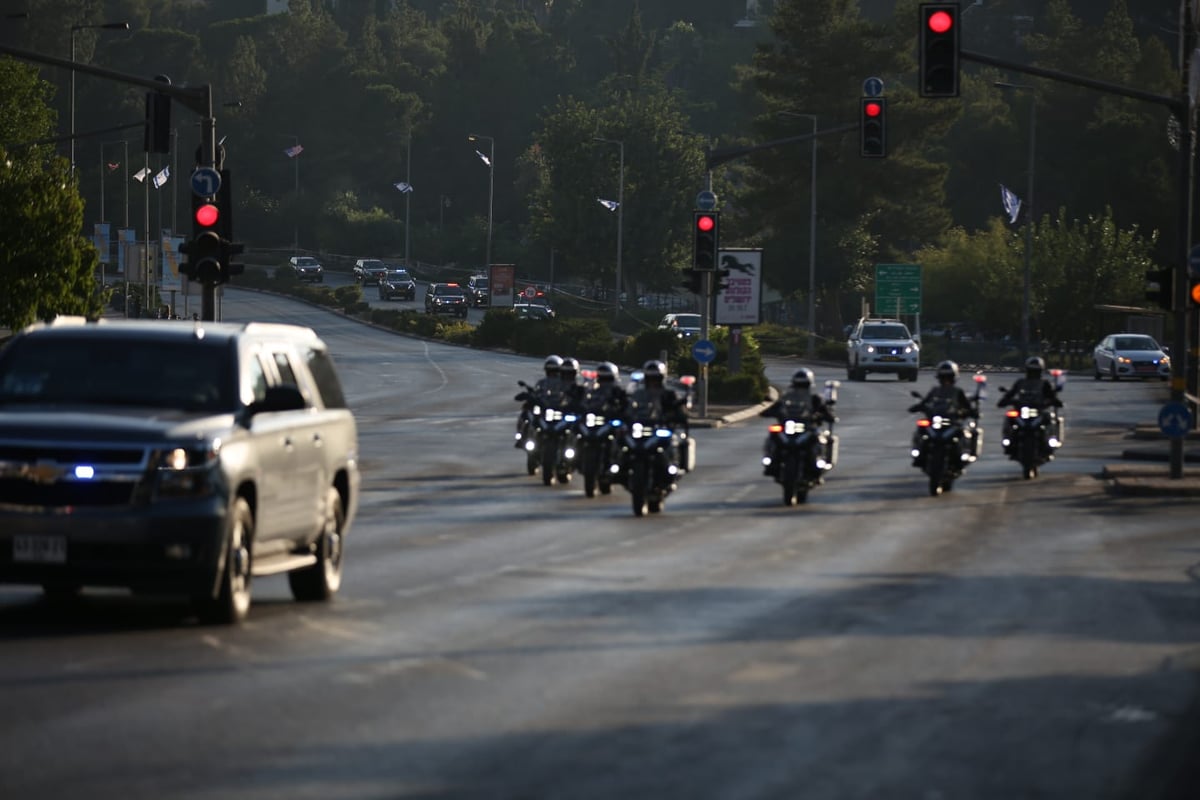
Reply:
x=885, y=332
x=189, y=375
x=286, y=375
x=1136, y=343
x=328, y=385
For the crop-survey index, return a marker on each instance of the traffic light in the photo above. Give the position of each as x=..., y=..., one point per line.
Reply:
x=938, y=49
x=693, y=281
x=204, y=250
x=1194, y=293
x=719, y=284
x=1160, y=288
x=706, y=227
x=872, y=124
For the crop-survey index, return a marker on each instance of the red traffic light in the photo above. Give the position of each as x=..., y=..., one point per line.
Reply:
x=940, y=21
x=1194, y=291
x=705, y=223
x=207, y=215
x=872, y=109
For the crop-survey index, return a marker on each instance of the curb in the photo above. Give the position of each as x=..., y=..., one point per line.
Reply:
x=1140, y=480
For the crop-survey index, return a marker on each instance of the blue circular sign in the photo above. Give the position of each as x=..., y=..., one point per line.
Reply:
x=206, y=182
x=704, y=351
x=1194, y=261
x=706, y=201
x=1174, y=419
x=873, y=87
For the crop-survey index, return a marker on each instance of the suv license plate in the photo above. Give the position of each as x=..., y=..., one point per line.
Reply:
x=40, y=549
x=889, y=358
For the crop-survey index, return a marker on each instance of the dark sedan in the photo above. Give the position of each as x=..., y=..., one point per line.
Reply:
x=397, y=283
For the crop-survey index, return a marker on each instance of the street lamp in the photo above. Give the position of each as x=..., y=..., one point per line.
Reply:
x=620, y=216
x=108, y=26
x=491, y=162
x=1028, y=207
x=812, y=236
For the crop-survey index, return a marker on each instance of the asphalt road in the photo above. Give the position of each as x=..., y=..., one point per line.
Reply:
x=496, y=638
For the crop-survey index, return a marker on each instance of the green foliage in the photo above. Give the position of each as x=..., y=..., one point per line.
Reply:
x=46, y=267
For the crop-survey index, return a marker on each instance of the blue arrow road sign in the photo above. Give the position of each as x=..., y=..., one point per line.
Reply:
x=704, y=351
x=1194, y=261
x=206, y=182
x=1174, y=419
x=873, y=87
x=706, y=200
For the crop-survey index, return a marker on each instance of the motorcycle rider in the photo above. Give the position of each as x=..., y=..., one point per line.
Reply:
x=548, y=385
x=948, y=400
x=571, y=389
x=1033, y=391
x=797, y=403
x=606, y=394
x=652, y=402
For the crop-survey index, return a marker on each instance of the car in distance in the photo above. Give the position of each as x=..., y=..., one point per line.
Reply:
x=686, y=326
x=881, y=345
x=533, y=311
x=177, y=458
x=477, y=291
x=307, y=268
x=396, y=282
x=446, y=298
x=1130, y=355
x=369, y=270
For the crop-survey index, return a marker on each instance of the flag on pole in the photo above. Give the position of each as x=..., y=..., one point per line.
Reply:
x=404, y=188
x=483, y=158
x=113, y=167
x=1012, y=204
x=611, y=205
x=141, y=174
x=294, y=150
x=161, y=177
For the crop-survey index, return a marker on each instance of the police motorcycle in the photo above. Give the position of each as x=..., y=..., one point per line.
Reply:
x=653, y=453
x=803, y=449
x=598, y=428
x=549, y=440
x=944, y=444
x=1033, y=432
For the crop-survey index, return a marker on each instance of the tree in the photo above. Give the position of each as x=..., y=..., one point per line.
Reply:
x=46, y=267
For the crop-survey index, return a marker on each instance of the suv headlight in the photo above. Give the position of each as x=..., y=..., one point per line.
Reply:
x=188, y=471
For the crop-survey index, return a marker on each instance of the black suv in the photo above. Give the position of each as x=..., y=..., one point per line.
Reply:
x=174, y=458
x=446, y=298
x=397, y=283
x=477, y=290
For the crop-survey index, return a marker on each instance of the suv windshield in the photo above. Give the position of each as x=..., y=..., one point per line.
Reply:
x=184, y=375
x=306, y=261
x=885, y=332
x=398, y=275
x=446, y=288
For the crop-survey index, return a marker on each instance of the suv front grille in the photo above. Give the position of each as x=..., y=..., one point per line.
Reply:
x=46, y=476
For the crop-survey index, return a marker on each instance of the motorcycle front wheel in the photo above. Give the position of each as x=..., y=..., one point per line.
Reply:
x=549, y=459
x=637, y=488
x=937, y=471
x=789, y=479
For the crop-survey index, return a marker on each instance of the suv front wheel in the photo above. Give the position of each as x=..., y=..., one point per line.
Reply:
x=232, y=603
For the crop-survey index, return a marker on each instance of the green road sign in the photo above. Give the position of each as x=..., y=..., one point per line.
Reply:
x=897, y=289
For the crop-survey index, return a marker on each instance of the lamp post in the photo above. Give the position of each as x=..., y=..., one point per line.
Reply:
x=125, y=164
x=408, y=194
x=620, y=216
x=1028, y=208
x=491, y=189
x=110, y=26
x=295, y=192
x=812, y=237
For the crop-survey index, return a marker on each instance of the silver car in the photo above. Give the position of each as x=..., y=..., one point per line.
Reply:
x=1130, y=355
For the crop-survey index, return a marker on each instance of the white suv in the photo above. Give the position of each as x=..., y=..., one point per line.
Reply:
x=881, y=345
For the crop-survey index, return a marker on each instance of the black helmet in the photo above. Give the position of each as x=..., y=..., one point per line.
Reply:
x=568, y=370
x=1034, y=367
x=553, y=365
x=947, y=372
x=654, y=372
x=607, y=372
x=802, y=378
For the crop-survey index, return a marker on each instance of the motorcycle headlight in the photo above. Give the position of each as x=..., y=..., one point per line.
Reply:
x=1030, y=413
x=793, y=426
x=662, y=433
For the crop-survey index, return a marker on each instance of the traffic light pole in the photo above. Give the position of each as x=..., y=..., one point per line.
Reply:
x=1180, y=107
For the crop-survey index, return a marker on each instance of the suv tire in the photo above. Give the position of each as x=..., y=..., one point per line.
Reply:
x=320, y=582
x=232, y=603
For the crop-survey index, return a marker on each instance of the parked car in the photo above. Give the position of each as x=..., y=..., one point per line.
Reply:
x=176, y=458
x=533, y=311
x=395, y=283
x=369, y=270
x=446, y=298
x=881, y=345
x=307, y=268
x=477, y=290
x=686, y=326
x=1130, y=355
